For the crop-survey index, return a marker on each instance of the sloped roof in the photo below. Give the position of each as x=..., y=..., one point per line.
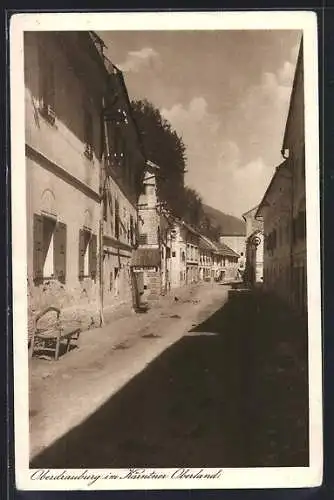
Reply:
x=205, y=245
x=146, y=257
x=226, y=251
x=278, y=170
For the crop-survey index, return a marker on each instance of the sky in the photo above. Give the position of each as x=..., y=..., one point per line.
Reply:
x=226, y=93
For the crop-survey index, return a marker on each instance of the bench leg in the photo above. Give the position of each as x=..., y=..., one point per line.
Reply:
x=68, y=343
x=32, y=346
x=57, y=349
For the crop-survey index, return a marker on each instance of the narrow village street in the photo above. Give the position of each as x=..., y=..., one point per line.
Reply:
x=193, y=385
x=166, y=274
x=63, y=393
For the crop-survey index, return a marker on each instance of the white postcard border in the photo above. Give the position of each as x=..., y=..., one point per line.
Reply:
x=228, y=478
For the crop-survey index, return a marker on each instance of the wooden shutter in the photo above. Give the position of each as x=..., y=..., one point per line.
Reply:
x=82, y=248
x=38, y=260
x=60, y=252
x=93, y=256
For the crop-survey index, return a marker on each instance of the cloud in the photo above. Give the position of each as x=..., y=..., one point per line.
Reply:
x=190, y=120
x=140, y=59
x=231, y=162
x=215, y=162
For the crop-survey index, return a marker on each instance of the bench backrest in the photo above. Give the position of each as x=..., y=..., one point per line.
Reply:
x=47, y=319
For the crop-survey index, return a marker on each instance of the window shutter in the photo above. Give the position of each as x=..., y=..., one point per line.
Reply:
x=38, y=247
x=60, y=252
x=82, y=249
x=93, y=256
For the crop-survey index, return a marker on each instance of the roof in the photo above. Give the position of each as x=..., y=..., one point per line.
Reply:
x=190, y=228
x=249, y=211
x=150, y=164
x=278, y=170
x=206, y=244
x=146, y=257
x=226, y=251
x=293, y=92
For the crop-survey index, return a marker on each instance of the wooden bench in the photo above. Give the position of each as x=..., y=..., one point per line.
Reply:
x=51, y=336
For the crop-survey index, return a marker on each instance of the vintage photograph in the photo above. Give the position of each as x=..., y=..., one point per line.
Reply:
x=167, y=266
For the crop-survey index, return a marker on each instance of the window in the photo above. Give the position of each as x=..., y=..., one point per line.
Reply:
x=173, y=254
x=143, y=239
x=88, y=133
x=87, y=254
x=47, y=88
x=49, y=260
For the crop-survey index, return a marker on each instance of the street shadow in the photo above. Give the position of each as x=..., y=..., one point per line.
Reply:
x=231, y=393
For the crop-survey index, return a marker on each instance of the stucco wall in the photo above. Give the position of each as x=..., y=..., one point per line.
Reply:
x=63, y=142
x=55, y=150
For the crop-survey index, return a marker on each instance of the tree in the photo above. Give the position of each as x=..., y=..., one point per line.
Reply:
x=164, y=147
x=192, y=207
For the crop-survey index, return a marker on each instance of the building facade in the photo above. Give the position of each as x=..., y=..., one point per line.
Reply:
x=254, y=247
x=81, y=171
x=122, y=173
x=178, y=249
x=283, y=209
x=192, y=254
x=151, y=260
x=294, y=150
x=206, y=267
x=237, y=243
x=63, y=162
x=227, y=263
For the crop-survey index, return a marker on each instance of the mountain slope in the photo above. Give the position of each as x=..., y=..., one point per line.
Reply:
x=231, y=225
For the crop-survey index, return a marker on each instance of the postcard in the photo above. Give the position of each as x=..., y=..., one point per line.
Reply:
x=166, y=250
